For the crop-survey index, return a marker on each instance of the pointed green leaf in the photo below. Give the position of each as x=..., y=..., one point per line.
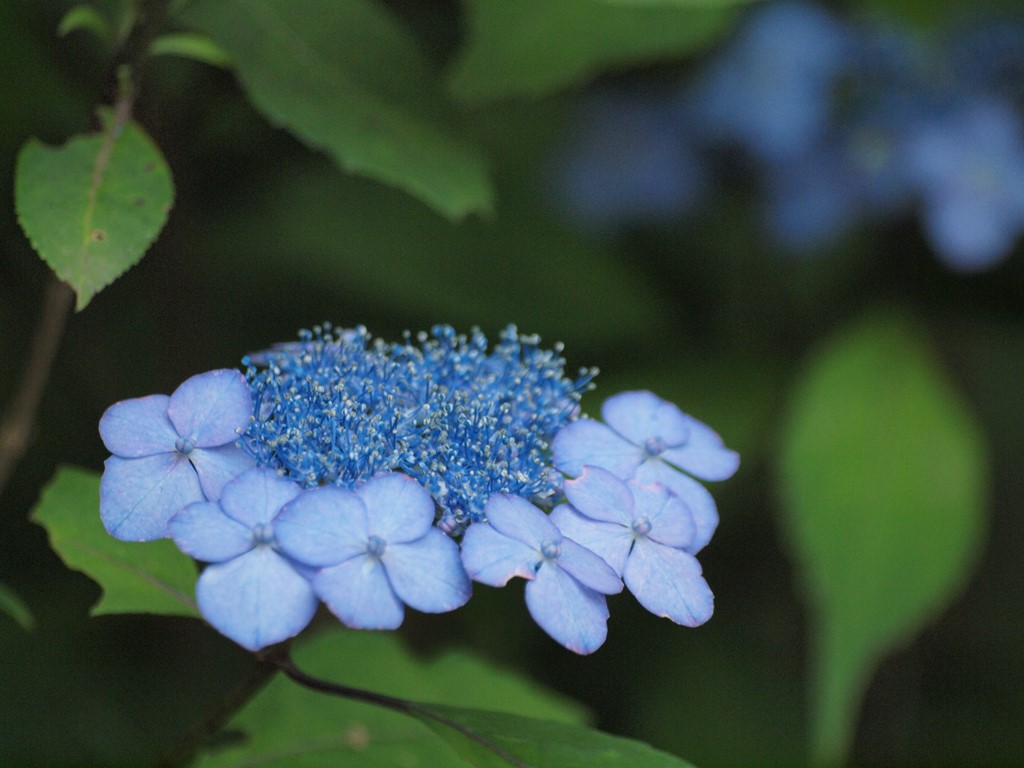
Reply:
x=345, y=78
x=15, y=607
x=190, y=46
x=884, y=482
x=92, y=207
x=85, y=17
x=500, y=740
x=149, y=577
x=535, y=47
x=308, y=728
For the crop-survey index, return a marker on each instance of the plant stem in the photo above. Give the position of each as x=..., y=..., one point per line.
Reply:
x=16, y=428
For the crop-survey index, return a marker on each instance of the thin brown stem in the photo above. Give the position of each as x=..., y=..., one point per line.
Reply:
x=19, y=420
x=280, y=657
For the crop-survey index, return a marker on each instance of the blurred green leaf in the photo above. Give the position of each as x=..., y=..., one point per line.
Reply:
x=15, y=607
x=148, y=577
x=286, y=722
x=85, y=17
x=535, y=47
x=92, y=207
x=190, y=46
x=345, y=78
x=884, y=482
x=541, y=743
x=366, y=242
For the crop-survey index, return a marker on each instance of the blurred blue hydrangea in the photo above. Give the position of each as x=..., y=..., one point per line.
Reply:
x=770, y=90
x=628, y=160
x=969, y=168
x=372, y=476
x=829, y=124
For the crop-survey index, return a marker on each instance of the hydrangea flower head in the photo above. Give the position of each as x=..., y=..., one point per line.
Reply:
x=648, y=439
x=250, y=592
x=769, y=90
x=643, y=532
x=566, y=583
x=464, y=420
x=969, y=167
x=171, y=451
x=376, y=549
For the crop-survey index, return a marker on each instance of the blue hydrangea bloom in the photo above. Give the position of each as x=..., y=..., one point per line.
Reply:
x=464, y=420
x=377, y=550
x=250, y=592
x=969, y=167
x=171, y=451
x=566, y=583
x=629, y=160
x=769, y=90
x=648, y=439
x=643, y=532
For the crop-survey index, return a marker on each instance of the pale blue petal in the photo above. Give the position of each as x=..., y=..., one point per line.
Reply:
x=256, y=599
x=610, y=541
x=693, y=494
x=255, y=496
x=358, y=592
x=322, y=526
x=668, y=582
x=601, y=495
x=211, y=408
x=572, y=614
x=591, y=442
x=704, y=455
x=588, y=568
x=671, y=520
x=493, y=558
x=139, y=496
x=427, y=574
x=398, y=508
x=518, y=519
x=138, y=427
x=642, y=416
x=204, y=532
x=217, y=467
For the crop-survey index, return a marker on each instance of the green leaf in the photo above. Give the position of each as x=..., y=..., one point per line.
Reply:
x=87, y=18
x=526, y=742
x=149, y=577
x=306, y=728
x=884, y=482
x=535, y=47
x=345, y=78
x=15, y=607
x=190, y=46
x=92, y=207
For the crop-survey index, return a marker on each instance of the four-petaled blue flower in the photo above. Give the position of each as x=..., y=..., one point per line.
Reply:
x=650, y=440
x=643, y=532
x=171, y=451
x=377, y=550
x=250, y=592
x=567, y=583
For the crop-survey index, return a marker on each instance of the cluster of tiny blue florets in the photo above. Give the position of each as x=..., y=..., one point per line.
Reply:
x=339, y=407
x=370, y=477
x=837, y=123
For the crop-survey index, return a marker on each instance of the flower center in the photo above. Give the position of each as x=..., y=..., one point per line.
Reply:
x=551, y=550
x=375, y=546
x=263, y=534
x=184, y=446
x=653, y=446
x=641, y=526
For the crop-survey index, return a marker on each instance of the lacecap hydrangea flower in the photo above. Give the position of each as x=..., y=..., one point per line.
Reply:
x=375, y=476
